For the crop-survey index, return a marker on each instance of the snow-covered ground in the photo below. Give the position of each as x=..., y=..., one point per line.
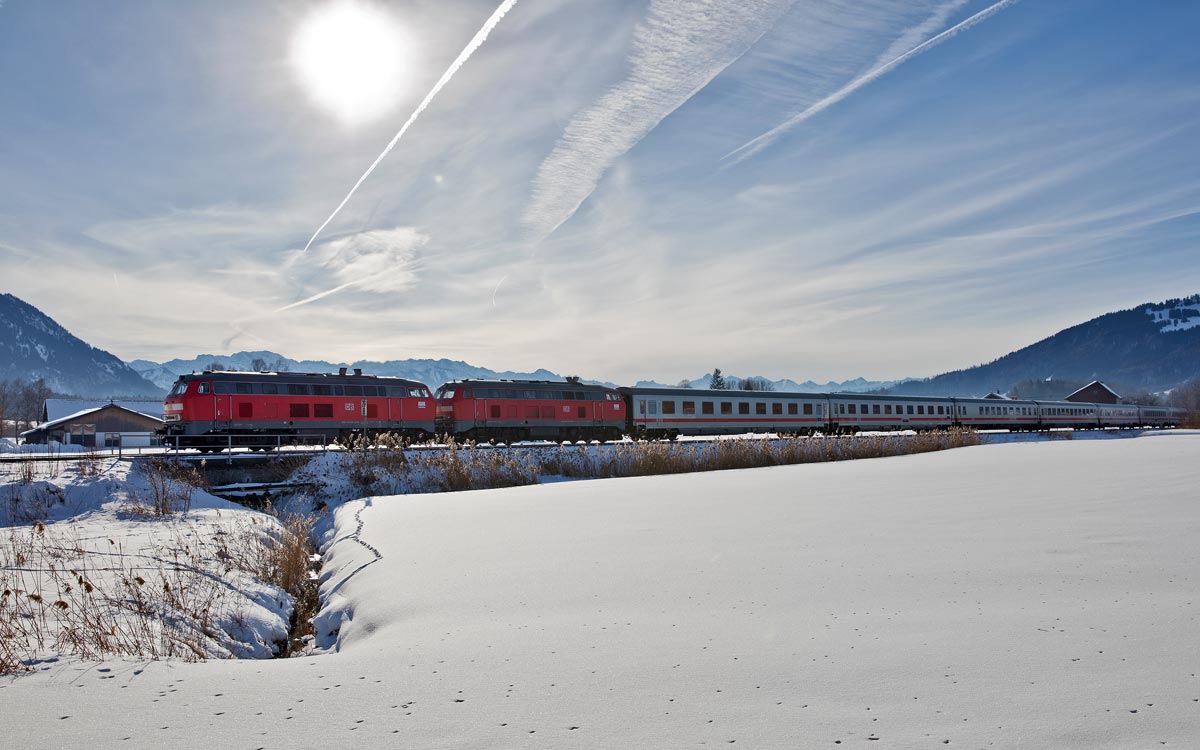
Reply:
x=1024, y=595
x=102, y=554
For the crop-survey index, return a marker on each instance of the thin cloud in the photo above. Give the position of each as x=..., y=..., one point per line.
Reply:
x=678, y=49
x=752, y=147
x=476, y=41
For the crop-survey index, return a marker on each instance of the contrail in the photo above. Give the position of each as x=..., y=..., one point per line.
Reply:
x=463, y=56
x=750, y=148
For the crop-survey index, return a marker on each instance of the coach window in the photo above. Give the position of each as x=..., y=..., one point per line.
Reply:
x=853, y=408
x=689, y=407
x=874, y=408
x=841, y=409
x=910, y=409
x=706, y=407
x=760, y=408
x=887, y=408
x=727, y=407
x=793, y=408
x=777, y=408
x=743, y=407
x=668, y=407
x=808, y=408
x=920, y=408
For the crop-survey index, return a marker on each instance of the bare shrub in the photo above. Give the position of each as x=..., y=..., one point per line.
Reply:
x=57, y=594
x=171, y=485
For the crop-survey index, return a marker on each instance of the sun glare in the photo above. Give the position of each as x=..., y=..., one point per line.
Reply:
x=352, y=59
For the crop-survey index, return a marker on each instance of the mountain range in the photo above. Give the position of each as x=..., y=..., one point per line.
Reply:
x=1152, y=347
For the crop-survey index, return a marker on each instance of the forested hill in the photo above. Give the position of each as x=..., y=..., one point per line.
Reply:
x=1152, y=347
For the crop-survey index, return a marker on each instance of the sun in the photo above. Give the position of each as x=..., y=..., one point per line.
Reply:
x=352, y=58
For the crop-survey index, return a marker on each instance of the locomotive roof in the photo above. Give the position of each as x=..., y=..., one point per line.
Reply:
x=324, y=377
x=543, y=383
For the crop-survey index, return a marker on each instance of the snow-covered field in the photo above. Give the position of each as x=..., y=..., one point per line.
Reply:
x=1025, y=595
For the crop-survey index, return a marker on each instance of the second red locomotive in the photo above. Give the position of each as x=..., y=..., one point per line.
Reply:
x=509, y=410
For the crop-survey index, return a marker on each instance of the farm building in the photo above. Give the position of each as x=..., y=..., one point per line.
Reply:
x=110, y=425
x=54, y=409
x=1095, y=392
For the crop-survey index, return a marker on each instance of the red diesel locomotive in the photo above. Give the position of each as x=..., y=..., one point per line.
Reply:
x=214, y=410
x=509, y=410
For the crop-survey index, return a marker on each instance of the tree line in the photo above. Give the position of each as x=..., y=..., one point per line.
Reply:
x=719, y=382
x=21, y=404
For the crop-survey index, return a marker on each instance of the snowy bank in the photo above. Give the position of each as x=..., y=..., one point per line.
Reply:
x=93, y=571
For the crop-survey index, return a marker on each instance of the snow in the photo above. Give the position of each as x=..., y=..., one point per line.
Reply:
x=1178, y=318
x=1016, y=595
x=97, y=522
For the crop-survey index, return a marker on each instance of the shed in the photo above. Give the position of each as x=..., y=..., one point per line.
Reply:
x=1095, y=392
x=110, y=425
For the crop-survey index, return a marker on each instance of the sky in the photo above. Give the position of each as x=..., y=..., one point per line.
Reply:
x=621, y=190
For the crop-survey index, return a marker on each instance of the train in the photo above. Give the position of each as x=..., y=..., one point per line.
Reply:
x=212, y=410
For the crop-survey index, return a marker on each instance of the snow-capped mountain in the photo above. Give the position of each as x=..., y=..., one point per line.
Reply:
x=787, y=385
x=1151, y=347
x=432, y=372
x=33, y=346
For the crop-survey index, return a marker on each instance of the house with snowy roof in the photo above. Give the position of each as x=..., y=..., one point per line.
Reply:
x=109, y=425
x=1095, y=392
